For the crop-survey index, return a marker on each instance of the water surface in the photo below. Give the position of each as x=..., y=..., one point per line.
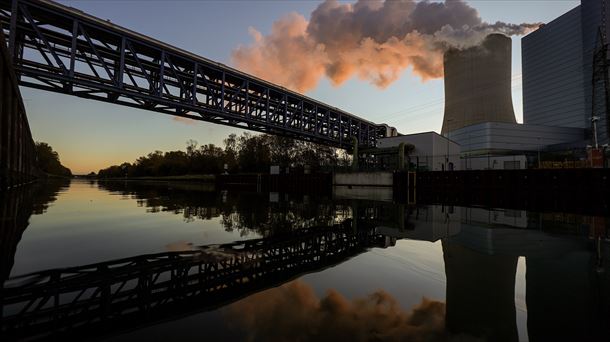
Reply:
x=297, y=267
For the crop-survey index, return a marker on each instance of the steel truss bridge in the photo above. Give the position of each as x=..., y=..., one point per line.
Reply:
x=113, y=295
x=64, y=50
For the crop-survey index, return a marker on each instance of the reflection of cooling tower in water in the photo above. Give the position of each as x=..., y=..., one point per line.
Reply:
x=478, y=84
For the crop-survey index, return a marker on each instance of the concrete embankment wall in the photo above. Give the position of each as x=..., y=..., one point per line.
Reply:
x=592, y=180
x=583, y=191
x=17, y=153
x=364, y=179
x=320, y=183
x=364, y=185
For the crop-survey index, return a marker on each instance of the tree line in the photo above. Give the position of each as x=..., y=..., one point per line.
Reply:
x=245, y=153
x=48, y=161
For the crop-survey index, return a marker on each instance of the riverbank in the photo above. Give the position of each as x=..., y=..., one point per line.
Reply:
x=190, y=178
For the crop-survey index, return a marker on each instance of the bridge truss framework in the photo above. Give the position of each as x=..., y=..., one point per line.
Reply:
x=64, y=50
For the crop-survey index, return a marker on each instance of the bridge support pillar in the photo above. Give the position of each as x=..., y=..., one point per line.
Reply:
x=17, y=159
x=355, y=155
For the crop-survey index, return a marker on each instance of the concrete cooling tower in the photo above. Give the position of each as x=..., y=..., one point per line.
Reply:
x=478, y=84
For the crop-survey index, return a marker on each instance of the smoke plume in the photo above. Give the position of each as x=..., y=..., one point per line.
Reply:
x=293, y=312
x=373, y=40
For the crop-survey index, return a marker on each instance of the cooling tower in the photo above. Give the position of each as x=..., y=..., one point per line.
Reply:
x=478, y=84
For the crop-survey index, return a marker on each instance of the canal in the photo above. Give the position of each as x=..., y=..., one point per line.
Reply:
x=131, y=260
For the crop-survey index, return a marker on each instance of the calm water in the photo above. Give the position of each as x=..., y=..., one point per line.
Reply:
x=200, y=264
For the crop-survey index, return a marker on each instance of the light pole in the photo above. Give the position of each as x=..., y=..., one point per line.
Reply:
x=539, y=163
x=594, y=120
x=447, y=155
x=468, y=152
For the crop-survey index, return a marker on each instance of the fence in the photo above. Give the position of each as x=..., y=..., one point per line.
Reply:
x=517, y=160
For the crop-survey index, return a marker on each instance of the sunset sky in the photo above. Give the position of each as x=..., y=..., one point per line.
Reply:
x=91, y=135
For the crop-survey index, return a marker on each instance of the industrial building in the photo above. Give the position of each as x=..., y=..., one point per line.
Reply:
x=479, y=114
x=560, y=98
x=558, y=93
x=478, y=84
x=558, y=72
x=432, y=151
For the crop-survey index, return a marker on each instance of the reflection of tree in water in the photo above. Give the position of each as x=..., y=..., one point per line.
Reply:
x=43, y=194
x=252, y=213
x=241, y=212
x=193, y=201
x=16, y=208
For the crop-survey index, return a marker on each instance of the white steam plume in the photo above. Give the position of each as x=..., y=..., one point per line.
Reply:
x=373, y=40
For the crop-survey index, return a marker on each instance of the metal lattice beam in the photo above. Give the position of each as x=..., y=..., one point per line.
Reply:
x=60, y=49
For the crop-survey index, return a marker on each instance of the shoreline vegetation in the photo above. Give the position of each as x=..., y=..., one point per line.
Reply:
x=48, y=162
x=242, y=154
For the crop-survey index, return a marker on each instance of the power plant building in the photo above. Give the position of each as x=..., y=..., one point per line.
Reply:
x=559, y=96
x=479, y=113
x=558, y=71
x=553, y=78
x=478, y=84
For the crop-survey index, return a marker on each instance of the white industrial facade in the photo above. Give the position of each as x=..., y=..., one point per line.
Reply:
x=432, y=150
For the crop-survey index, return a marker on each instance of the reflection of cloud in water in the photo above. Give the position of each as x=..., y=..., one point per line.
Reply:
x=293, y=312
x=179, y=246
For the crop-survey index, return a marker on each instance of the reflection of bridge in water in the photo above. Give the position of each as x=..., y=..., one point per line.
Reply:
x=128, y=292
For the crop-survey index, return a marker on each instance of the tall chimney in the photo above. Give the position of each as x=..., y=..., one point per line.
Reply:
x=478, y=84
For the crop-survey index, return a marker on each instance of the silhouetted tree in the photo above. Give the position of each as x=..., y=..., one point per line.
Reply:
x=245, y=153
x=48, y=161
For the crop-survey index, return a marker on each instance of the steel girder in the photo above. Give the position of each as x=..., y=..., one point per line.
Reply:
x=60, y=49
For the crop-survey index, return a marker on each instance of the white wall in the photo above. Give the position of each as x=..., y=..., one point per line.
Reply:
x=433, y=150
x=445, y=152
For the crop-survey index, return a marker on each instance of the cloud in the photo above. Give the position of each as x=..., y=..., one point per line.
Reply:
x=372, y=40
x=293, y=312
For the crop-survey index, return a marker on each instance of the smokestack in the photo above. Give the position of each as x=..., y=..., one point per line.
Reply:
x=478, y=84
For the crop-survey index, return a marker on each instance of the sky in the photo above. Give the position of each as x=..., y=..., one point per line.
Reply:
x=90, y=135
